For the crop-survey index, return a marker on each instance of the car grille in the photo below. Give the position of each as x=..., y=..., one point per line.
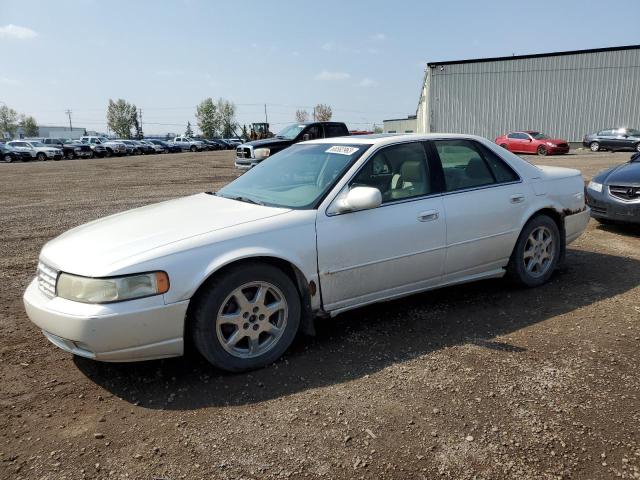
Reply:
x=563, y=145
x=243, y=152
x=47, y=278
x=626, y=193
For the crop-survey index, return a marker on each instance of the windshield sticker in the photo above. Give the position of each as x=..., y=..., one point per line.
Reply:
x=342, y=150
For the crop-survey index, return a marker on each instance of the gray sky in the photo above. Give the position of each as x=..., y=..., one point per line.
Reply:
x=365, y=59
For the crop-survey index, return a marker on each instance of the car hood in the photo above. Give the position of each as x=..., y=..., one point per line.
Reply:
x=91, y=248
x=269, y=142
x=625, y=174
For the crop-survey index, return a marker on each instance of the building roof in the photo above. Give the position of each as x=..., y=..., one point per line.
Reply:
x=409, y=117
x=535, y=55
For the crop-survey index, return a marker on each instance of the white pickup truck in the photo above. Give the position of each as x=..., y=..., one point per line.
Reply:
x=188, y=144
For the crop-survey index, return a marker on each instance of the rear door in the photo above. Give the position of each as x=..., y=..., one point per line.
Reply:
x=484, y=203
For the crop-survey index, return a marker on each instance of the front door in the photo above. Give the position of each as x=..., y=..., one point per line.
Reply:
x=391, y=250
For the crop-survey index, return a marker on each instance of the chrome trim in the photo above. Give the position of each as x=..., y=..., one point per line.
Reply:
x=622, y=200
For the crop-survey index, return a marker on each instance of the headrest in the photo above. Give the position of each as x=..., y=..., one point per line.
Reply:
x=412, y=171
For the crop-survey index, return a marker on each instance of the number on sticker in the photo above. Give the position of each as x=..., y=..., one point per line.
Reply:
x=342, y=150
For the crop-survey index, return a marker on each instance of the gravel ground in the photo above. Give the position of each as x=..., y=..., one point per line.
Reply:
x=483, y=380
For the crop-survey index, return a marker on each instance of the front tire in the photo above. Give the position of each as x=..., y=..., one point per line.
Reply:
x=8, y=158
x=536, y=253
x=594, y=146
x=246, y=318
x=542, y=151
x=637, y=147
x=42, y=157
x=193, y=149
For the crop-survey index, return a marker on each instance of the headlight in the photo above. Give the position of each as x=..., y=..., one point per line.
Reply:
x=551, y=144
x=115, y=289
x=77, y=149
x=595, y=186
x=261, y=153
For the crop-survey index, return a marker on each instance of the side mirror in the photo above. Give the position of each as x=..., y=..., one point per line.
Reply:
x=530, y=140
x=360, y=198
x=306, y=137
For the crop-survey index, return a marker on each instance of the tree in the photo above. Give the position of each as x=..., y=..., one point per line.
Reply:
x=302, y=116
x=135, y=123
x=28, y=123
x=208, y=118
x=377, y=129
x=245, y=132
x=120, y=116
x=227, y=115
x=323, y=112
x=8, y=121
x=188, y=132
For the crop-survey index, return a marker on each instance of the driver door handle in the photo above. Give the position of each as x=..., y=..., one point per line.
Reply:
x=428, y=216
x=517, y=198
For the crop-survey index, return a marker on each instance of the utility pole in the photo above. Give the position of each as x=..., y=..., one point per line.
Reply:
x=266, y=119
x=68, y=112
x=140, y=113
x=314, y=114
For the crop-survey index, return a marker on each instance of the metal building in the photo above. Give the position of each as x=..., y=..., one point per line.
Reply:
x=400, y=125
x=563, y=94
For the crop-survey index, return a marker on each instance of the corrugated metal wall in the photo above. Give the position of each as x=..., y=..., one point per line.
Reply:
x=565, y=96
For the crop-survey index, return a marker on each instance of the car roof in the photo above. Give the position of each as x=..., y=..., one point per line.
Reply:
x=388, y=138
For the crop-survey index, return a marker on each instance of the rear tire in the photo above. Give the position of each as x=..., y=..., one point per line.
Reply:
x=594, y=146
x=542, y=151
x=193, y=149
x=537, y=252
x=8, y=158
x=227, y=315
x=637, y=147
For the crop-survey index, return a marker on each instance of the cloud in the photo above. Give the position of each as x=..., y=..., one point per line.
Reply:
x=324, y=75
x=17, y=32
x=328, y=47
x=8, y=81
x=367, y=82
x=380, y=37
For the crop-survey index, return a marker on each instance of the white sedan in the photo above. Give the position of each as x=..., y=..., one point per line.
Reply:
x=320, y=228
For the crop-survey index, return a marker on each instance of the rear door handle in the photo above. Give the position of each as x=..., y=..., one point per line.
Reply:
x=517, y=198
x=428, y=216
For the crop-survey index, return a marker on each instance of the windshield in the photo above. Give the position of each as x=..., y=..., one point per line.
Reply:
x=539, y=136
x=633, y=132
x=296, y=177
x=290, y=132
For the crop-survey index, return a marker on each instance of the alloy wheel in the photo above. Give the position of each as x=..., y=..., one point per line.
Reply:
x=594, y=146
x=539, y=252
x=8, y=158
x=252, y=319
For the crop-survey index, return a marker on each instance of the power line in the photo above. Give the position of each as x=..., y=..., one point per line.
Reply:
x=68, y=112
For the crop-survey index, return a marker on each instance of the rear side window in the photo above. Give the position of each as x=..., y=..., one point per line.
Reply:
x=334, y=131
x=466, y=164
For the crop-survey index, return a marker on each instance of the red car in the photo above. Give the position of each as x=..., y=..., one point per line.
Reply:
x=528, y=141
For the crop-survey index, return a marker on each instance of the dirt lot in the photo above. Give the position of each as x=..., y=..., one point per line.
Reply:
x=478, y=381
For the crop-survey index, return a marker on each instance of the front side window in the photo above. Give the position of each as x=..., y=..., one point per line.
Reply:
x=398, y=171
x=539, y=136
x=297, y=177
x=333, y=131
x=466, y=165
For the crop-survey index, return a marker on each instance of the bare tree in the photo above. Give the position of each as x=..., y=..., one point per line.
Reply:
x=302, y=116
x=323, y=112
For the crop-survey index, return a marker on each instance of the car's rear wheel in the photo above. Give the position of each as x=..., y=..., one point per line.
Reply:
x=42, y=157
x=193, y=148
x=70, y=155
x=7, y=157
x=108, y=153
x=637, y=147
x=594, y=146
x=246, y=318
x=542, y=150
x=536, y=253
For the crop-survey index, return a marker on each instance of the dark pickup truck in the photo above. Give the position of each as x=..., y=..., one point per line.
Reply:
x=249, y=154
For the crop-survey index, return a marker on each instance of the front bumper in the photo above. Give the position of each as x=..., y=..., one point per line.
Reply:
x=558, y=150
x=606, y=208
x=245, y=163
x=134, y=330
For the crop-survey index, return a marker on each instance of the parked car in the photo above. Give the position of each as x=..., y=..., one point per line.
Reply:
x=529, y=141
x=70, y=148
x=132, y=147
x=37, y=149
x=112, y=147
x=144, y=147
x=250, y=154
x=188, y=144
x=361, y=219
x=168, y=147
x=212, y=145
x=614, y=194
x=9, y=154
x=613, y=139
x=152, y=147
x=224, y=144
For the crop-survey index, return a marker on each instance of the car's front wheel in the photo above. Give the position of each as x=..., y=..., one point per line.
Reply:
x=542, y=150
x=246, y=318
x=7, y=157
x=637, y=147
x=42, y=157
x=536, y=253
x=594, y=146
x=193, y=149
